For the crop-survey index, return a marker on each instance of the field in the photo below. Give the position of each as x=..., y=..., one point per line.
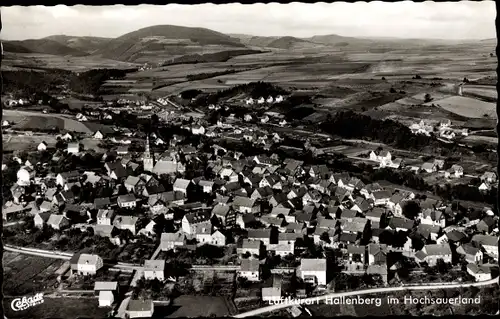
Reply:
x=481, y=91
x=22, y=142
x=67, y=308
x=76, y=64
x=466, y=107
x=28, y=275
x=194, y=306
x=25, y=120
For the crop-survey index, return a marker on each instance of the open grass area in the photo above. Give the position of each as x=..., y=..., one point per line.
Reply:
x=23, y=142
x=194, y=306
x=467, y=107
x=25, y=275
x=64, y=308
x=25, y=120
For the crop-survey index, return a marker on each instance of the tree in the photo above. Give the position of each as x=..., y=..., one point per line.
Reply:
x=411, y=209
x=427, y=98
x=392, y=90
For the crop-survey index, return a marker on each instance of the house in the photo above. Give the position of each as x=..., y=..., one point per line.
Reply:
x=225, y=214
x=486, y=225
x=42, y=147
x=132, y=182
x=245, y=205
x=401, y=224
x=489, y=177
x=218, y=239
x=480, y=272
x=98, y=135
x=192, y=221
x=24, y=175
x=106, y=291
x=85, y=264
x=378, y=269
x=73, y=148
x=169, y=241
x=40, y=219
x=140, y=309
x=377, y=254
x=154, y=269
x=375, y=214
x=126, y=222
x=263, y=235
x=429, y=232
x=431, y=254
x=356, y=254
x=456, y=171
x=381, y=198
x=395, y=204
x=313, y=271
x=58, y=222
x=203, y=233
x=181, y=185
x=471, y=253
x=198, y=130
x=102, y=202
x=67, y=137
x=253, y=247
x=433, y=217
x=250, y=269
x=488, y=243
x=206, y=186
x=485, y=186
x=108, y=231
x=429, y=167
x=126, y=201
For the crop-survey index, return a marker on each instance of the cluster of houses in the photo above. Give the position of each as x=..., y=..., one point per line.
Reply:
x=444, y=129
x=262, y=100
x=385, y=159
x=287, y=200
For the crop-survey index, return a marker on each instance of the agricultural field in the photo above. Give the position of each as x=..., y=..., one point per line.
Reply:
x=60, y=307
x=196, y=306
x=467, y=107
x=25, y=120
x=29, y=275
x=75, y=64
x=23, y=142
x=481, y=91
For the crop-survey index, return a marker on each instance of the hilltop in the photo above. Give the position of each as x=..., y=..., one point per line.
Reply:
x=167, y=40
x=44, y=46
x=85, y=44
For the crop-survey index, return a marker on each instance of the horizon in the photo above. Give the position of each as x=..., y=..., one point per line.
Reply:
x=458, y=21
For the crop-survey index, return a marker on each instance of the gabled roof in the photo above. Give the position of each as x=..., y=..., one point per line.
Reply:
x=398, y=222
x=126, y=198
x=240, y=201
x=154, y=265
x=307, y=264
x=221, y=210
x=437, y=250
x=259, y=233
x=198, y=217
x=381, y=195
x=181, y=183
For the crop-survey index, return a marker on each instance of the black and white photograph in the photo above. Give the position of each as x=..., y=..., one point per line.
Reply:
x=249, y=160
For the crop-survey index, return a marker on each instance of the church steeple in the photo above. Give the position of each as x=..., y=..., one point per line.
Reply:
x=147, y=159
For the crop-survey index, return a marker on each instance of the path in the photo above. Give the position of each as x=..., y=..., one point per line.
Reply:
x=257, y=312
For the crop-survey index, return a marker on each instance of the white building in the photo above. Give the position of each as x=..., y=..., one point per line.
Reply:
x=313, y=270
x=42, y=147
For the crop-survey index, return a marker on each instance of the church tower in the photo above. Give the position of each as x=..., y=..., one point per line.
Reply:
x=147, y=159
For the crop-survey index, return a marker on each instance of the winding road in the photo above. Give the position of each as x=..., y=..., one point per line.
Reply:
x=311, y=300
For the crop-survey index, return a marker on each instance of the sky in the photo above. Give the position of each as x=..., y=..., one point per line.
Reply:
x=405, y=19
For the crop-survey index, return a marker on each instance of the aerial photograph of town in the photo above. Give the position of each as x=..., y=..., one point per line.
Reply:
x=249, y=160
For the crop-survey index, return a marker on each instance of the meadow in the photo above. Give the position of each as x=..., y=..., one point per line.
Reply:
x=467, y=107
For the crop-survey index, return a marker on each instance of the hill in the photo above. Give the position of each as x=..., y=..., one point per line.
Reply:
x=167, y=40
x=44, y=46
x=85, y=44
x=286, y=42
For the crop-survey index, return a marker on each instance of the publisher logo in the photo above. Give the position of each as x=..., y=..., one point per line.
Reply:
x=20, y=304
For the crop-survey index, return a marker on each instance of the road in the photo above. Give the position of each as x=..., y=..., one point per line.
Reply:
x=311, y=300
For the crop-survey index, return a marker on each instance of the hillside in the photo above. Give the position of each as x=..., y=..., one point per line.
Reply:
x=44, y=46
x=286, y=43
x=167, y=40
x=85, y=44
